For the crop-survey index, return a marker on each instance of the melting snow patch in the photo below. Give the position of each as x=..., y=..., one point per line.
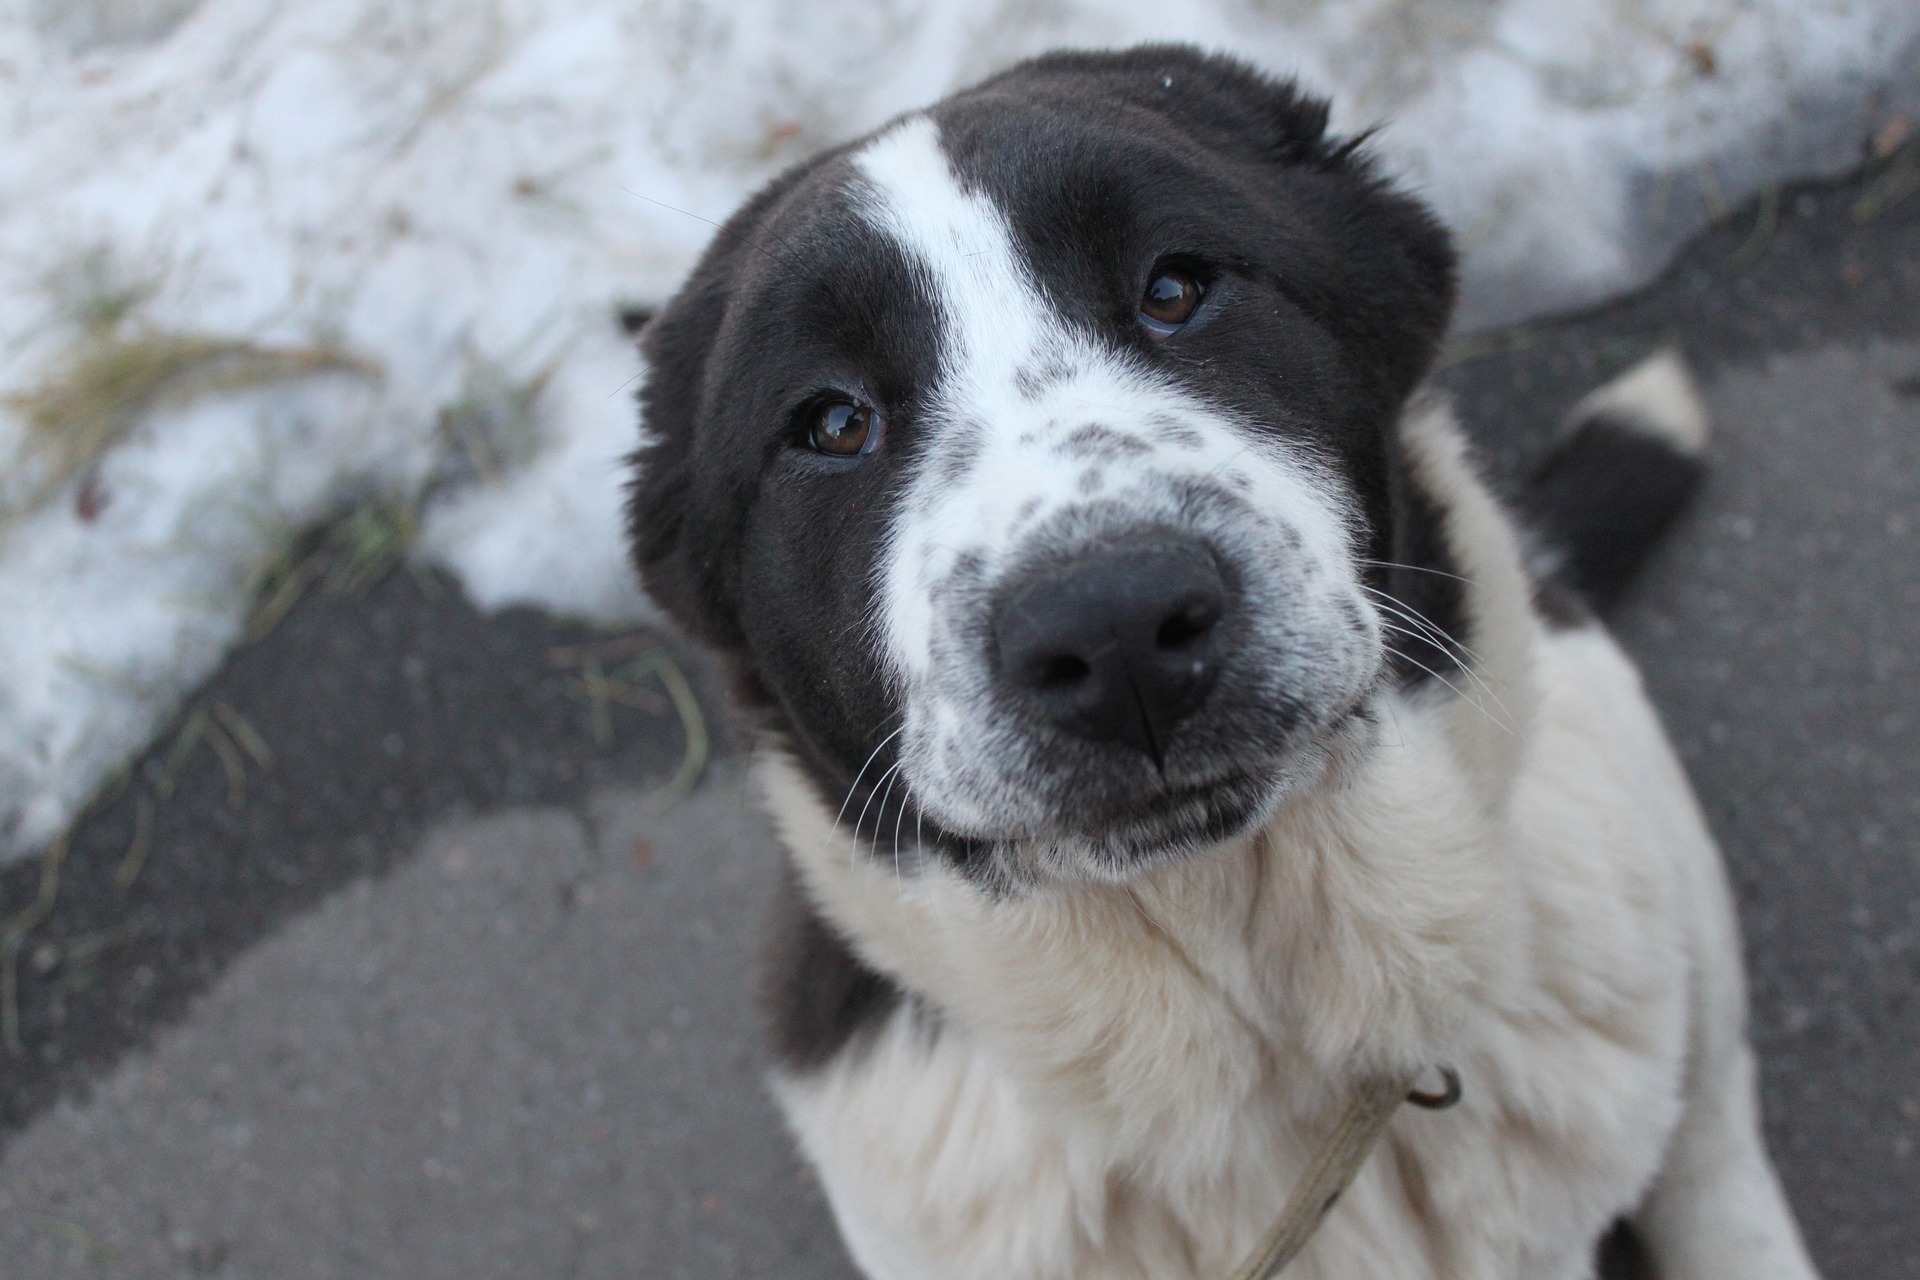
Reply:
x=262, y=259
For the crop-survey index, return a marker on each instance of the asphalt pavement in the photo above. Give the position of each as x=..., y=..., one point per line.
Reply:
x=407, y=951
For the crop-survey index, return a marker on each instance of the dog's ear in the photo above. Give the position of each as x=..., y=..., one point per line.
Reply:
x=1394, y=268
x=676, y=344
x=1220, y=102
x=685, y=499
x=1391, y=287
x=1383, y=277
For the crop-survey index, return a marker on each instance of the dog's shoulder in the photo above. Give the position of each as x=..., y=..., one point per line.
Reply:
x=817, y=995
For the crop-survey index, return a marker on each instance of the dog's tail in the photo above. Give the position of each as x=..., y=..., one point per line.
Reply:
x=1628, y=461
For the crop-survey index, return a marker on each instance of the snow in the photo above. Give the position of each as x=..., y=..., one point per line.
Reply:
x=458, y=196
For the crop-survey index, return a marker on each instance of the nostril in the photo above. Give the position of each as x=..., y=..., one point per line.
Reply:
x=1059, y=672
x=1187, y=626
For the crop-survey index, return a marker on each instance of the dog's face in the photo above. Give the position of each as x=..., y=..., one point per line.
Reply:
x=1029, y=458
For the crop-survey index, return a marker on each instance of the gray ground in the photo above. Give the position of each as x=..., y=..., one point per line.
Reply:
x=446, y=990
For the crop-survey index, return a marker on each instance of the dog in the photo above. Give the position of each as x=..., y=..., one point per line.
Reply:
x=1170, y=731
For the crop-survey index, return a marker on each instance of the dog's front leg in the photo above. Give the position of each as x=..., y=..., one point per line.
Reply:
x=1717, y=1211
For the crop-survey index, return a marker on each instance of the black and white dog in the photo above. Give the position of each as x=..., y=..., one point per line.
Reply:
x=1169, y=730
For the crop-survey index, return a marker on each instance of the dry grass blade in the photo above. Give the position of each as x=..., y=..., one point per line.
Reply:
x=138, y=846
x=82, y=412
x=34, y=914
x=1766, y=222
x=233, y=763
x=244, y=734
x=495, y=424
x=623, y=694
x=1468, y=348
x=14, y=933
x=283, y=584
x=602, y=691
x=368, y=542
x=1898, y=180
x=354, y=552
x=192, y=729
x=693, y=724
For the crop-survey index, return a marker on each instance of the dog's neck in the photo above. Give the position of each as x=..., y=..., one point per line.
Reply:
x=1347, y=937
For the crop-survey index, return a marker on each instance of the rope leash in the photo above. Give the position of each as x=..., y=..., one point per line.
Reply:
x=1335, y=1165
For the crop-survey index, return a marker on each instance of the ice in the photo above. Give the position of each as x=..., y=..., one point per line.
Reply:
x=451, y=200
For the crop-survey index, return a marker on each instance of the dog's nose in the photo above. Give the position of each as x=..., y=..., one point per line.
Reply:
x=1119, y=643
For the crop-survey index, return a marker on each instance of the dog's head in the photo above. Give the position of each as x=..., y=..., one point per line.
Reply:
x=1029, y=457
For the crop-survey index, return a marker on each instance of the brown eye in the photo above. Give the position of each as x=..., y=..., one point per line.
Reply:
x=844, y=429
x=1169, y=302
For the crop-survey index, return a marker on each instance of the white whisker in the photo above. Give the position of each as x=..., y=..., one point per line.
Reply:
x=898, y=817
x=1436, y=636
x=1415, y=568
x=855, y=784
x=886, y=780
x=1504, y=725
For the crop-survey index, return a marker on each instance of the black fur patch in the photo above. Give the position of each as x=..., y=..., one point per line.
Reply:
x=1603, y=499
x=1094, y=441
x=1622, y=1255
x=1417, y=588
x=1033, y=380
x=816, y=995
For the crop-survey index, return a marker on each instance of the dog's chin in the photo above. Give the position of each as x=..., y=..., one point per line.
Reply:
x=1177, y=823
x=1158, y=826
x=1089, y=825
x=1154, y=827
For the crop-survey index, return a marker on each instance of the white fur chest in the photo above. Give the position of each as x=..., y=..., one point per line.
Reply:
x=1127, y=1080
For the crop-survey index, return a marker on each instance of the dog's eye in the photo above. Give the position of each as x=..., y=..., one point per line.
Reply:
x=844, y=428
x=1169, y=302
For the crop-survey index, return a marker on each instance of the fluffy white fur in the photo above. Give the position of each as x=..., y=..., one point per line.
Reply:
x=1124, y=1080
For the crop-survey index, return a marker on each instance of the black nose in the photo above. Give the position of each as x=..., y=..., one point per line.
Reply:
x=1119, y=643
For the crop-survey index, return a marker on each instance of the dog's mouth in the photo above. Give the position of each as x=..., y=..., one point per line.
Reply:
x=1117, y=831
x=1179, y=820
